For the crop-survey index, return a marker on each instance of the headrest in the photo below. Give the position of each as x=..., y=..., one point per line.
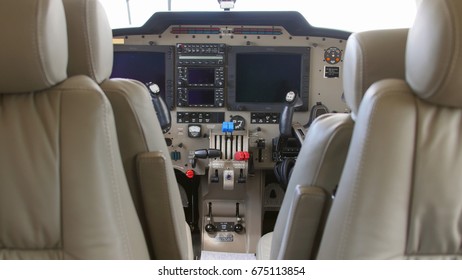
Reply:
x=90, y=39
x=33, y=52
x=433, y=55
x=371, y=56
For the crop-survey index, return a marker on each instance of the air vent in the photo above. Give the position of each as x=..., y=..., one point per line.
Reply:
x=196, y=30
x=257, y=31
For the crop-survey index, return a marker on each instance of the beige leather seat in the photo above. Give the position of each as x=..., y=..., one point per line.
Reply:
x=63, y=193
x=369, y=56
x=400, y=192
x=145, y=156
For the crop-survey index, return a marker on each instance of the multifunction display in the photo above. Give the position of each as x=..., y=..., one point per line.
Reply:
x=200, y=75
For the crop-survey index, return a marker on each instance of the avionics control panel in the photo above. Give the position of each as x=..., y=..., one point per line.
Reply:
x=218, y=74
x=200, y=75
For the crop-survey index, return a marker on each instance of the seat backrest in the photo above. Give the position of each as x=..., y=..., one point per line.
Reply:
x=400, y=192
x=63, y=193
x=144, y=152
x=369, y=56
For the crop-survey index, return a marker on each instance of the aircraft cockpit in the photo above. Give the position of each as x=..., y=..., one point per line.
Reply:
x=240, y=90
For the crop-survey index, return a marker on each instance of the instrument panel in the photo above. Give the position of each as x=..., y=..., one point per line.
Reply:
x=215, y=74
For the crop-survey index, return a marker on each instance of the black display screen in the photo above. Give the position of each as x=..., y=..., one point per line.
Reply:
x=201, y=96
x=259, y=77
x=198, y=76
x=266, y=77
x=142, y=66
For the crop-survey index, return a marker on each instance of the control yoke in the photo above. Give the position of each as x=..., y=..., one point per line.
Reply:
x=162, y=112
x=285, y=123
x=285, y=147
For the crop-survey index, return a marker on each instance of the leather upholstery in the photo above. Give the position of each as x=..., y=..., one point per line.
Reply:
x=369, y=57
x=264, y=246
x=320, y=164
x=432, y=67
x=90, y=45
x=42, y=57
x=63, y=193
x=399, y=194
x=139, y=133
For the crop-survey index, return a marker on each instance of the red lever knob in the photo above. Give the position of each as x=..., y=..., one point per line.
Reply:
x=190, y=174
x=241, y=156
